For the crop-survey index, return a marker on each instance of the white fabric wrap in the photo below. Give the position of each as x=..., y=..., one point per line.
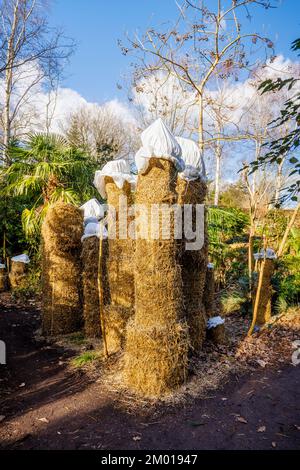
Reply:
x=215, y=321
x=269, y=254
x=118, y=170
x=192, y=157
x=159, y=142
x=21, y=258
x=94, y=230
x=210, y=266
x=92, y=208
x=2, y=266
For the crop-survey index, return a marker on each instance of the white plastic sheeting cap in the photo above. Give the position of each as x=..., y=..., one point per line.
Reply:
x=210, y=266
x=94, y=230
x=158, y=141
x=269, y=254
x=192, y=157
x=2, y=266
x=92, y=208
x=215, y=321
x=21, y=258
x=118, y=170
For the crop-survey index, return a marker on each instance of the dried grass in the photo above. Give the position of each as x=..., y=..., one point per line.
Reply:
x=116, y=319
x=61, y=270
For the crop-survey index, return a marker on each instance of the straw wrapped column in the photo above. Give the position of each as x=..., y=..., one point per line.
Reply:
x=119, y=269
x=3, y=278
x=157, y=339
x=17, y=274
x=193, y=265
x=61, y=269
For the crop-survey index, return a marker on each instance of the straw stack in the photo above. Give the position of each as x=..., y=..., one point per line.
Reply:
x=61, y=269
x=157, y=338
x=17, y=274
x=3, y=278
x=191, y=189
x=119, y=270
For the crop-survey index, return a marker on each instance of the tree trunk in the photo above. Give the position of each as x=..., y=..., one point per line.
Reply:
x=217, y=175
x=287, y=231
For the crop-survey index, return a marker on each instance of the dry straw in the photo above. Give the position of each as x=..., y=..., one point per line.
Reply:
x=119, y=271
x=61, y=269
x=17, y=274
x=157, y=339
x=193, y=265
x=3, y=280
x=91, y=306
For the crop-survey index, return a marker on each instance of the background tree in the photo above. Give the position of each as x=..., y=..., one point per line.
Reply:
x=32, y=52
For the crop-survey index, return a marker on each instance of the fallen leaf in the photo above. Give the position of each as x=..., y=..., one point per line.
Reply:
x=242, y=420
x=22, y=384
x=2, y=417
x=196, y=423
x=273, y=444
x=261, y=429
x=297, y=427
x=44, y=420
x=261, y=363
x=136, y=438
x=224, y=399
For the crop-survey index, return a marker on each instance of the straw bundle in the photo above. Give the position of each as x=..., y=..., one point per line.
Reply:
x=3, y=280
x=209, y=297
x=119, y=271
x=193, y=265
x=17, y=274
x=265, y=297
x=61, y=269
x=217, y=335
x=91, y=307
x=157, y=340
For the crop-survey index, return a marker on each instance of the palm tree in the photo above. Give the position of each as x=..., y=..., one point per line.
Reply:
x=46, y=169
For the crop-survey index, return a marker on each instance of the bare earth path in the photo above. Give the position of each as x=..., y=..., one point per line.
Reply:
x=46, y=405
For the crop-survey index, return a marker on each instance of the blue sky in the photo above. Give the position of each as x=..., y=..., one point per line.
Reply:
x=96, y=25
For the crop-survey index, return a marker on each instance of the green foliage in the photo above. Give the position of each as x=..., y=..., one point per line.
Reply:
x=290, y=142
x=44, y=170
x=85, y=358
x=225, y=227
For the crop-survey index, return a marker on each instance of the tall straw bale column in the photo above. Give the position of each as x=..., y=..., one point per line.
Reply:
x=157, y=338
x=61, y=270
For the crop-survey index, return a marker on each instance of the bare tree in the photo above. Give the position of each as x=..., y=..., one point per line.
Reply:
x=99, y=131
x=202, y=45
x=31, y=52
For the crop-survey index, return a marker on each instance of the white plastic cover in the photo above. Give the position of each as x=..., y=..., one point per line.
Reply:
x=21, y=258
x=2, y=266
x=192, y=157
x=158, y=141
x=215, y=321
x=269, y=254
x=119, y=170
x=94, y=230
x=210, y=266
x=92, y=208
